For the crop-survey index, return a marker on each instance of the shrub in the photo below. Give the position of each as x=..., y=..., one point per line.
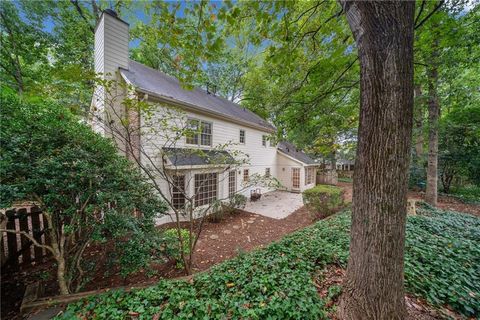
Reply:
x=216, y=212
x=467, y=194
x=221, y=208
x=237, y=201
x=322, y=200
x=442, y=257
x=173, y=247
x=87, y=192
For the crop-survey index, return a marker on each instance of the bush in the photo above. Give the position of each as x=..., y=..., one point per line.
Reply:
x=322, y=200
x=467, y=194
x=172, y=246
x=237, y=201
x=87, y=192
x=219, y=209
x=442, y=257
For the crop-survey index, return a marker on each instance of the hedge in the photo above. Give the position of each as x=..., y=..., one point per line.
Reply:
x=322, y=200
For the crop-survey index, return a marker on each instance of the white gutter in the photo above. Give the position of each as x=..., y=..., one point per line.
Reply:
x=296, y=160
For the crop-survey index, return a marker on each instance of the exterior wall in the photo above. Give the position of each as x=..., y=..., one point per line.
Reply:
x=223, y=133
x=284, y=169
x=111, y=45
x=111, y=53
x=311, y=185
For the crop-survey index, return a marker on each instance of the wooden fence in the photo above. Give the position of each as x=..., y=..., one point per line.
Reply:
x=17, y=249
x=327, y=177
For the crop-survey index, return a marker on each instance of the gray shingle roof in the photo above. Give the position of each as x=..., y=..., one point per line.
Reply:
x=196, y=157
x=292, y=151
x=158, y=83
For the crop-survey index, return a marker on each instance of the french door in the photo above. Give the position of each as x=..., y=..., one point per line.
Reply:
x=295, y=178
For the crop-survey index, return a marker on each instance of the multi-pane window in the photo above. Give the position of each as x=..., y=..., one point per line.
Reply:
x=267, y=172
x=206, y=185
x=192, y=136
x=232, y=183
x=246, y=176
x=264, y=140
x=242, y=136
x=206, y=134
x=200, y=132
x=309, y=175
x=296, y=178
x=178, y=191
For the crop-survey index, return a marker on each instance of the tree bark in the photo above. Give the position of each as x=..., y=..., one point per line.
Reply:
x=374, y=287
x=433, y=116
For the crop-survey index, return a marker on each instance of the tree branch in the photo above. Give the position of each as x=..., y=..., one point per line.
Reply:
x=80, y=12
x=429, y=15
x=29, y=237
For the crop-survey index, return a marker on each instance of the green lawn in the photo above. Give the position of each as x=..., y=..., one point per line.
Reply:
x=442, y=265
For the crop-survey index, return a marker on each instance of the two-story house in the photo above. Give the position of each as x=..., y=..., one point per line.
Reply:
x=221, y=121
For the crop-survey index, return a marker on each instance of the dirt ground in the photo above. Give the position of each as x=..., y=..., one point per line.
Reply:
x=444, y=202
x=241, y=232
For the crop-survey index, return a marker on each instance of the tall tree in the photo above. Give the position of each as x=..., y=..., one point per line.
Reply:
x=374, y=286
x=23, y=49
x=431, y=194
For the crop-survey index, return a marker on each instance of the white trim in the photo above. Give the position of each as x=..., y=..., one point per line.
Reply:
x=199, y=144
x=244, y=136
x=296, y=160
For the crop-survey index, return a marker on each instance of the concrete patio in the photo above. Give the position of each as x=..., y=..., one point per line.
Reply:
x=276, y=204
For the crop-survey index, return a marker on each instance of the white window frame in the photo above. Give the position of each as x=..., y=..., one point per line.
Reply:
x=267, y=172
x=309, y=175
x=244, y=136
x=200, y=133
x=206, y=193
x=232, y=183
x=178, y=192
x=264, y=140
x=246, y=173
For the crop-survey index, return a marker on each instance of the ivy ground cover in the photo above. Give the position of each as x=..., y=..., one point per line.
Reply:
x=442, y=265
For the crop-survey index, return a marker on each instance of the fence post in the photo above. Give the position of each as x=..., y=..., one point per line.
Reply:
x=12, y=238
x=37, y=232
x=25, y=242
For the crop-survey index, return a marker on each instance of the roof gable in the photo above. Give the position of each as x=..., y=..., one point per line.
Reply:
x=161, y=85
x=292, y=151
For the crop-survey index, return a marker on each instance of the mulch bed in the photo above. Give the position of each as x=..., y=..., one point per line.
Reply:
x=241, y=232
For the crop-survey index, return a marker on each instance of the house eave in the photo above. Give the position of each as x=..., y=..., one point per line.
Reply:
x=296, y=160
x=196, y=167
x=194, y=108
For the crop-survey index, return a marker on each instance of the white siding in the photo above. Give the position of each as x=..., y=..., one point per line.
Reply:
x=223, y=132
x=111, y=53
x=285, y=166
x=111, y=45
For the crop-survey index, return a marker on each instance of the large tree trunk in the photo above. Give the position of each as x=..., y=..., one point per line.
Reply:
x=433, y=116
x=374, y=287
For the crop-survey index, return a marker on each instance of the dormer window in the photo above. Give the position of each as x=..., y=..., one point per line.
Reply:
x=242, y=136
x=200, y=133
